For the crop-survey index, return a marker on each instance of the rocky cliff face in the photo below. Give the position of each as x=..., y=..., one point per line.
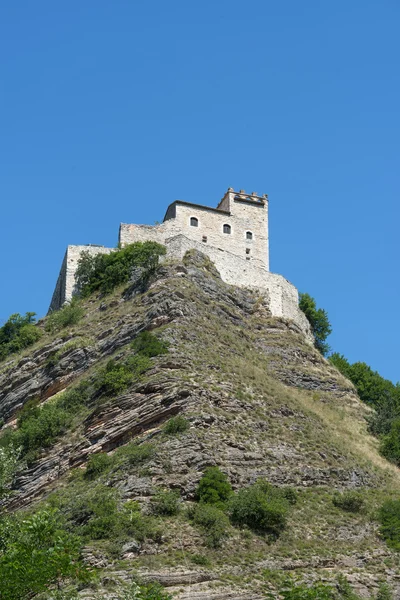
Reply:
x=260, y=402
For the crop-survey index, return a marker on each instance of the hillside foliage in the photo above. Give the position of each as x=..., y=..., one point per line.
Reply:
x=18, y=333
x=382, y=395
x=319, y=322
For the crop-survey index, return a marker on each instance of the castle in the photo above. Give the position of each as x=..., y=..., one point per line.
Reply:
x=234, y=235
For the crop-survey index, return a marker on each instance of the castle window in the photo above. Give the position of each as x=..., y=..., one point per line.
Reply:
x=226, y=228
x=204, y=238
x=194, y=222
x=247, y=250
x=249, y=235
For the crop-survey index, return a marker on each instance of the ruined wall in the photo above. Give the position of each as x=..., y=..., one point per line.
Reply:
x=65, y=286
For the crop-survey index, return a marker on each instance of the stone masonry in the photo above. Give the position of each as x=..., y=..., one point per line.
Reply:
x=234, y=235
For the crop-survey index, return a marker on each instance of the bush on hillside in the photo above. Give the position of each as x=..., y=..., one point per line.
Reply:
x=165, y=503
x=213, y=522
x=115, y=377
x=175, y=425
x=214, y=488
x=319, y=322
x=104, y=272
x=147, y=344
x=261, y=507
x=389, y=517
x=35, y=552
x=149, y=591
x=68, y=315
x=9, y=457
x=18, y=333
x=349, y=501
x=390, y=444
x=135, y=454
x=97, y=465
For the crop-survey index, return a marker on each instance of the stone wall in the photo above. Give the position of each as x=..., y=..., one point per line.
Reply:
x=65, y=287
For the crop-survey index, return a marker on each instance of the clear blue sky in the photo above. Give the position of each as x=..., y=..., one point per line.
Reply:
x=109, y=111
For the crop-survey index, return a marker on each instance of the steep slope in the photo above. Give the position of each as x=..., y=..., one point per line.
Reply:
x=259, y=401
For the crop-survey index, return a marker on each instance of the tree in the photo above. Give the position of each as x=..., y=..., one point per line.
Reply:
x=318, y=319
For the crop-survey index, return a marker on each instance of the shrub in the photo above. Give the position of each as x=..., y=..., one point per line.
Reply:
x=384, y=592
x=18, y=333
x=390, y=444
x=104, y=272
x=150, y=591
x=8, y=466
x=97, y=464
x=116, y=377
x=39, y=427
x=68, y=315
x=389, y=517
x=262, y=507
x=348, y=501
x=318, y=591
x=214, y=487
x=319, y=322
x=135, y=454
x=212, y=521
x=166, y=503
x=149, y=345
x=35, y=553
x=176, y=425
x=95, y=512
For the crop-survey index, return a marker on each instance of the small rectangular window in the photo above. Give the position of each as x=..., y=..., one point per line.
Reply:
x=204, y=238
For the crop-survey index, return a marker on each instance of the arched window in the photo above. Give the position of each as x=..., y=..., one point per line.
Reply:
x=226, y=228
x=249, y=235
x=194, y=222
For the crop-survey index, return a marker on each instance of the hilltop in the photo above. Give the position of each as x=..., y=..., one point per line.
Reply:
x=230, y=386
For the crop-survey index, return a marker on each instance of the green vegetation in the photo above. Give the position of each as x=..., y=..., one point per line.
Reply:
x=389, y=517
x=39, y=426
x=214, y=488
x=349, y=501
x=261, y=507
x=95, y=512
x=134, y=454
x=18, y=333
x=150, y=591
x=104, y=272
x=35, y=552
x=115, y=377
x=176, y=425
x=9, y=457
x=97, y=465
x=149, y=345
x=383, y=396
x=213, y=522
x=68, y=315
x=319, y=322
x=166, y=503
x=322, y=591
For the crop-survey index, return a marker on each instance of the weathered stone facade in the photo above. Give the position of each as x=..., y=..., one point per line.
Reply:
x=234, y=235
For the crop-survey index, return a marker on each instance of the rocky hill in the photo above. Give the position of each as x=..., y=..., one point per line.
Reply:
x=236, y=389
